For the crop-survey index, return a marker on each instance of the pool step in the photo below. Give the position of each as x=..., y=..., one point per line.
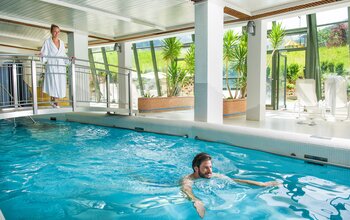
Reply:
x=1, y=216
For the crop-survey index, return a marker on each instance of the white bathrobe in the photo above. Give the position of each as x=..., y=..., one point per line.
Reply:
x=55, y=80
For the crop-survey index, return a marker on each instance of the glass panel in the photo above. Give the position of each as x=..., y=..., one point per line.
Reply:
x=336, y=15
x=162, y=67
x=291, y=42
x=268, y=80
x=333, y=48
x=291, y=23
x=332, y=38
x=282, y=81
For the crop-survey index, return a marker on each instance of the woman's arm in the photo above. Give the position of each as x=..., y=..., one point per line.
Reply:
x=44, y=52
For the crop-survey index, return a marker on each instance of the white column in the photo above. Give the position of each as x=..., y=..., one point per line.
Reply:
x=256, y=78
x=78, y=47
x=209, y=29
x=124, y=60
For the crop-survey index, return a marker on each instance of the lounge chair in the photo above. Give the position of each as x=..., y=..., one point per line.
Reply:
x=305, y=91
x=336, y=95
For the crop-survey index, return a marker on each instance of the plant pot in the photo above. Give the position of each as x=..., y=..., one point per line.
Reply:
x=161, y=104
x=234, y=107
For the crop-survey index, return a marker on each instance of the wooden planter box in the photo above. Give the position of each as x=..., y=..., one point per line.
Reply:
x=159, y=104
x=234, y=107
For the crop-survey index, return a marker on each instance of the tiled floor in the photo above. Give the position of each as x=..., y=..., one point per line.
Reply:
x=278, y=120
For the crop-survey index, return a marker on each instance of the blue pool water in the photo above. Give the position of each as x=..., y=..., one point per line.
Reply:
x=58, y=170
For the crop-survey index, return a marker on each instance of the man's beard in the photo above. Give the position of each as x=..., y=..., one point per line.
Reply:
x=203, y=175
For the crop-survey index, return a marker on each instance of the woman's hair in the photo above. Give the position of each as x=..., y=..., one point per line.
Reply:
x=199, y=158
x=54, y=26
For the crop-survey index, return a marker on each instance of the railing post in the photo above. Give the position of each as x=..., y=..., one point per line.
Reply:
x=14, y=84
x=107, y=89
x=130, y=93
x=108, y=73
x=34, y=88
x=73, y=86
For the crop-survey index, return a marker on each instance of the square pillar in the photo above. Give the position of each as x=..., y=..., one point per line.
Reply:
x=78, y=47
x=124, y=60
x=256, y=76
x=209, y=28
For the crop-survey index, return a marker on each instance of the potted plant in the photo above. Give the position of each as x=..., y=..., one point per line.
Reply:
x=229, y=43
x=175, y=79
x=240, y=63
x=188, y=86
x=237, y=52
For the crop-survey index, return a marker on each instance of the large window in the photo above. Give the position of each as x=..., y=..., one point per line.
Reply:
x=291, y=23
x=332, y=41
x=292, y=48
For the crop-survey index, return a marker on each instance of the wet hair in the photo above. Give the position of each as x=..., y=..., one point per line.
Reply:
x=199, y=159
x=54, y=26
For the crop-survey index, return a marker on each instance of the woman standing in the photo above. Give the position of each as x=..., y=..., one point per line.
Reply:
x=55, y=79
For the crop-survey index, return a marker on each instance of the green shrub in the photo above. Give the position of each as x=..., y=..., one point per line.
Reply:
x=301, y=74
x=292, y=72
x=331, y=67
x=268, y=72
x=290, y=86
x=339, y=68
x=324, y=66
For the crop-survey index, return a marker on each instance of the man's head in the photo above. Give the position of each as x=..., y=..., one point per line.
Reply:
x=201, y=165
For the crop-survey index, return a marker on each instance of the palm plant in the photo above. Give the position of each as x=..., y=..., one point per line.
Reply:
x=176, y=77
x=171, y=51
x=190, y=66
x=240, y=62
x=276, y=36
x=230, y=41
x=189, y=60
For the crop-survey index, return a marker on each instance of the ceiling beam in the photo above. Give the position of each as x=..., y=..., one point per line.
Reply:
x=293, y=8
x=19, y=47
x=234, y=10
x=292, y=5
x=104, y=13
x=231, y=9
x=45, y=26
x=9, y=35
x=236, y=14
x=287, y=10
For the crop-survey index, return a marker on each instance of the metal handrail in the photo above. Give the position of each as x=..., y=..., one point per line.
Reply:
x=110, y=65
x=75, y=70
x=76, y=59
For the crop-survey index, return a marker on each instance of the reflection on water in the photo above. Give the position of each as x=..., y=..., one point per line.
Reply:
x=56, y=170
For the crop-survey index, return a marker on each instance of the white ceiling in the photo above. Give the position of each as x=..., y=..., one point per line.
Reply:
x=254, y=6
x=24, y=23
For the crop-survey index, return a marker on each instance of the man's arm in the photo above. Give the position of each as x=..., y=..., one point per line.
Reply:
x=186, y=187
x=256, y=183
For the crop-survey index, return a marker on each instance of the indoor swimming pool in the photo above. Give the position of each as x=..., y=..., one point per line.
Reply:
x=65, y=170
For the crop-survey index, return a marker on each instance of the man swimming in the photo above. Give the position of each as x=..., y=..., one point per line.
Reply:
x=202, y=168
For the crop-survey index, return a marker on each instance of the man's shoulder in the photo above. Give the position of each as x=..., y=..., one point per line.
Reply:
x=188, y=177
